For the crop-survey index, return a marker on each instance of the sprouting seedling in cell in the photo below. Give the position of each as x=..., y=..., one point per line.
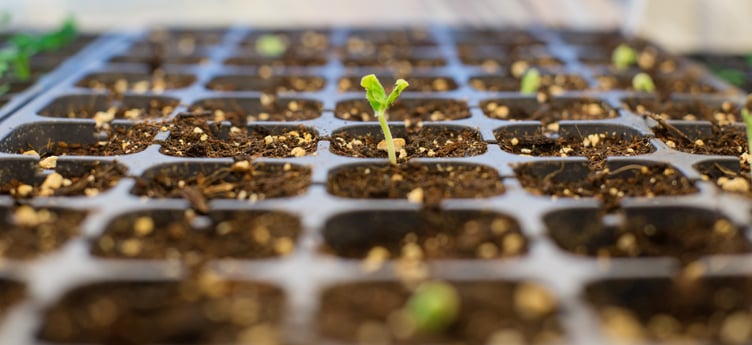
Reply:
x=433, y=307
x=271, y=45
x=623, y=57
x=380, y=102
x=643, y=82
x=530, y=81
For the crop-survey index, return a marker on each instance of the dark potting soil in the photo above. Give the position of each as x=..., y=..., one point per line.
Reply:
x=417, y=83
x=31, y=232
x=117, y=140
x=411, y=110
x=92, y=181
x=241, y=111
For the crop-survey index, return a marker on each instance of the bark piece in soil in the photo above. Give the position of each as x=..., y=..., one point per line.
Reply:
x=436, y=181
x=240, y=111
x=721, y=113
x=194, y=136
x=552, y=83
x=425, y=141
x=23, y=178
x=143, y=312
x=185, y=236
x=406, y=109
x=709, y=310
x=440, y=234
x=557, y=109
x=684, y=233
x=129, y=107
x=417, y=83
x=200, y=182
x=32, y=232
x=523, y=311
x=272, y=84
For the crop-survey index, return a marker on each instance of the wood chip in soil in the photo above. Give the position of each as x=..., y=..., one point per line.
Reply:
x=431, y=182
x=197, y=137
x=175, y=235
x=412, y=110
x=29, y=232
x=99, y=178
x=426, y=141
x=509, y=312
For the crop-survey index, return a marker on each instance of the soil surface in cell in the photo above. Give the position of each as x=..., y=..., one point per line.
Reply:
x=725, y=113
x=203, y=310
x=29, y=232
x=547, y=112
x=239, y=112
x=195, y=136
x=723, y=140
x=508, y=312
x=137, y=83
x=729, y=179
x=120, y=140
x=550, y=83
x=273, y=84
x=417, y=182
x=288, y=59
x=97, y=179
x=412, y=111
x=596, y=147
x=154, y=109
x=179, y=235
x=419, y=142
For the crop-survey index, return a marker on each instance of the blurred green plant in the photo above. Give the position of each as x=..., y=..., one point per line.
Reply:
x=643, y=82
x=270, y=45
x=433, y=306
x=623, y=57
x=530, y=81
x=747, y=117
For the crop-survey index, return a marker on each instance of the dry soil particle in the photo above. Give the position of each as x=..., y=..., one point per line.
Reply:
x=607, y=186
x=427, y=183
x=202, y=311
x=490, y=313
x=729, y=179
x=118, y=140
x=270, y=84
x=411, y=110
x=241, y=111
x=712, y=310
x=551, y=83
x=434, y=234
x=241, y=180
x=89, y=182
x=425, y=141
x=725, y=113
x=184, y=236
x=29, y=232
x=166, y=60
x=551, y=112
x=417, y=83
x=195, y=136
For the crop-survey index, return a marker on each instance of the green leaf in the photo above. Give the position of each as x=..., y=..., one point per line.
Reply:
x=374, y=92
x=730, y=75
x=433, y=306
x=623, y=56
x=748, y=58
x=399, y=86
x=530, y=81
x=643, y=82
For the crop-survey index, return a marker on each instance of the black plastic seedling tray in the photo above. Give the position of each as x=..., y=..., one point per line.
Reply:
x=321, y=247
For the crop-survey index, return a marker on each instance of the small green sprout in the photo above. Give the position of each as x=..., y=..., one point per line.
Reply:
x=530, y=81
x=270, y=45
x=747, y=117
x=643, y=82
x=24, y=46
x=379, y=101
x=623, y=57
x=433, y=306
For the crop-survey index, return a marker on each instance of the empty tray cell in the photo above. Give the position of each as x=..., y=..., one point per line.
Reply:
x=286, y=60
x=196, y=137
x=291, y=40
x=24, y=178
x=11, y=292
x=553, y=83
x=712, y=310
x=684, y=233
x=156, y=60
x=727, y=175
x=407, y=109
x=719, y=112
x=185, y=236
x=618, y=180
x=550, y=112
x=29, y=232
x=593, y=141
x=240, y=111
x=507, y=312
x=411, y=142
x=418, y=182
x=664, y=85
x=103, y=108
x=417, y=83
x=438, y=234
x=507, y=37
x=272, y=84
x=207, y=310
x=703, y=139
x=198, y=182
x=81, y=139
x=120, y=83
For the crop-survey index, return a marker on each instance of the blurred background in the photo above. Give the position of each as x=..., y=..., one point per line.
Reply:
x=680, y=25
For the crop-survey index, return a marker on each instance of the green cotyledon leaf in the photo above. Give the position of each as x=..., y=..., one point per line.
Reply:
x=374, y=92
x=399, y=86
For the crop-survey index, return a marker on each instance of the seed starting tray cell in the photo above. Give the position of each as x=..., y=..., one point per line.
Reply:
x=234, y=197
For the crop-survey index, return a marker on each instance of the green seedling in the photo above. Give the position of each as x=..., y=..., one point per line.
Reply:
x=732, y=76
x=623, y=57
x=270, y=45
x=433, y=306
x=379, y=101
x=530, y=81
x=643, y=82
x=747, y=117
x=23, y=46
